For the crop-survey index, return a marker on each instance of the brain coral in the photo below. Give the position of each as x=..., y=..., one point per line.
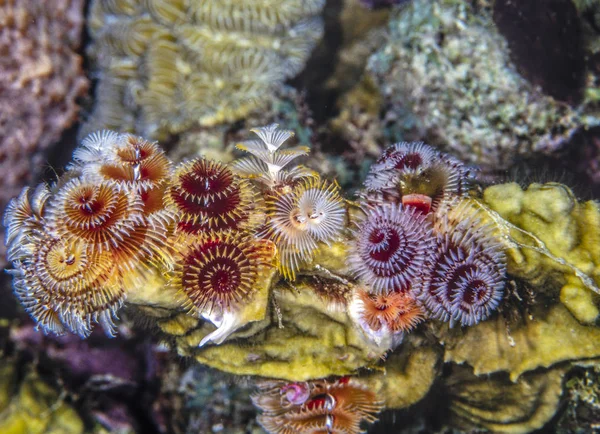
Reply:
x=165, y=65
x=40, y=79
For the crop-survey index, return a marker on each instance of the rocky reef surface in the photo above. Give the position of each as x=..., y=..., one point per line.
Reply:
x=333, y=273
x=338, y=309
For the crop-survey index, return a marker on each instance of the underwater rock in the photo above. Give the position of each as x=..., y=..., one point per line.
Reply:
x=589, y=11
x=357, y=98
x=311, y=342
x=215, y=401
x=40, y=79
x=589, y=162
x=582, y=392
x=260, y=267
x=166, y=66
x=358, y=122
x=260, y=249
x=449, y=68
x=376, y=4
x=407, y=377
x=361, y=32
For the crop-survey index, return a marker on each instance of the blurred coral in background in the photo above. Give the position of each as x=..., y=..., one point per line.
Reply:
x=165, y=66
x=41, y=77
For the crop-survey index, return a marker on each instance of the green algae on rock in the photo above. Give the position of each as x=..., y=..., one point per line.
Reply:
x=449, y=66
x=165, y=66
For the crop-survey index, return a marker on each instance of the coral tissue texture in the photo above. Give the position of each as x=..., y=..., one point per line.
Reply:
x=40, y=80
x=447, y=65
x=167, y=65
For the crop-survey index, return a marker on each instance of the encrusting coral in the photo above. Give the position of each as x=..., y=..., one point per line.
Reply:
x=260, y=267
x=493, y=404
x=550, y=337
x=554, y=241
x=165, y=66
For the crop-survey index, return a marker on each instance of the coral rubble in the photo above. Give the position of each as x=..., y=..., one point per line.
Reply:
x=40, y=79
x=448, y=67
x=164, y=66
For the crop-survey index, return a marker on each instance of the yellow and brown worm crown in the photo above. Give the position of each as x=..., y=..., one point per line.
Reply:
x=69, y=282
x=207, y=196
x=220, y=270
x=98, y=213
x=132, y=163
x=23, y=215
x=74, y=245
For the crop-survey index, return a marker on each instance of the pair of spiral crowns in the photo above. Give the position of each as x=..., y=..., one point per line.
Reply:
x=418, y=251
x=123, y=213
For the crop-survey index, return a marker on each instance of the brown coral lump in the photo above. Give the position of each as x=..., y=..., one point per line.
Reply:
x=40, y=79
